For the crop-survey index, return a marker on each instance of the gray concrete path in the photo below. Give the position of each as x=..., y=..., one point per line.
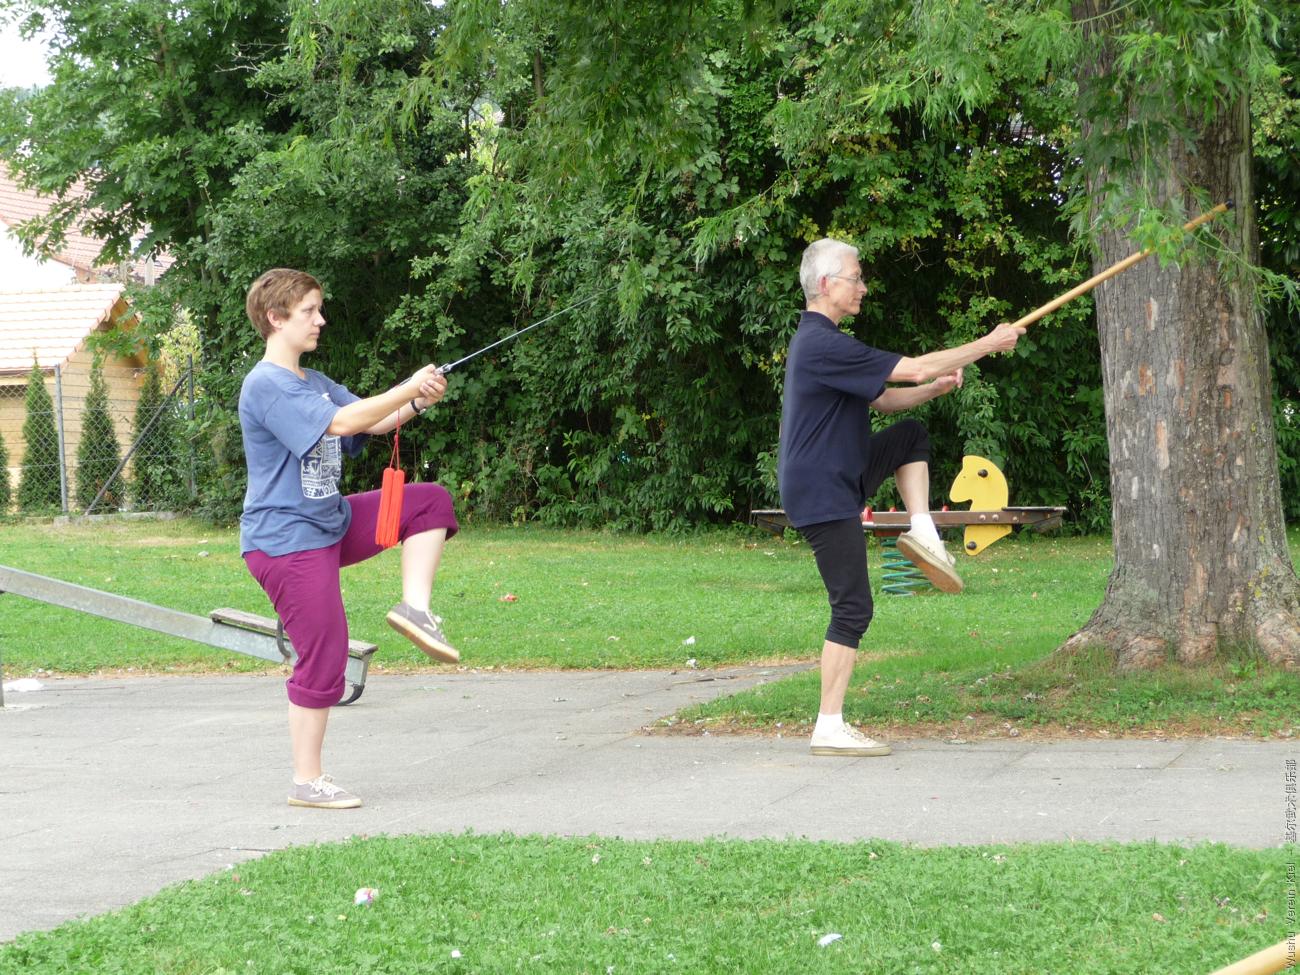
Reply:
x=113, y=789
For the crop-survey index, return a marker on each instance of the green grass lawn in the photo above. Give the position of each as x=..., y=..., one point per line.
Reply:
x=968, y=665
x=584, y=600
x=491, y=904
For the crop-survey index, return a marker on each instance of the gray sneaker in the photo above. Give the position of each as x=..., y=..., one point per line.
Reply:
x=425, y=631
x=321, y=793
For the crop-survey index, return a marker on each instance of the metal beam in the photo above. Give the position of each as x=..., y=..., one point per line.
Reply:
x=136, y=612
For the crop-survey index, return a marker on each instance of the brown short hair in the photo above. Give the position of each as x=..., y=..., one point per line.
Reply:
x=278, y=290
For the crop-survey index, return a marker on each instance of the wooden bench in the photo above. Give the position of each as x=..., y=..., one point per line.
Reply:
x=225, y=629
x=359, y=652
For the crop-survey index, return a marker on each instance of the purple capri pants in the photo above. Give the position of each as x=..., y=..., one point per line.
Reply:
x=304, y=588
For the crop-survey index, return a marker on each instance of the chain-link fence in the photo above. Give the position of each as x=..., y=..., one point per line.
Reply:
x=111, y=438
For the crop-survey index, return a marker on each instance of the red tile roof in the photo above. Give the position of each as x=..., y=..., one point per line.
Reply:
x=51, y=324
x=79, y=251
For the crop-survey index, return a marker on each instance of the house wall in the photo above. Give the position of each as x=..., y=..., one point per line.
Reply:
x=123, y=377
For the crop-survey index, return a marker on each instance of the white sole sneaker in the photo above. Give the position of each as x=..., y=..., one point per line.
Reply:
x=941, y=575
x=856, y=751
x=848, y=742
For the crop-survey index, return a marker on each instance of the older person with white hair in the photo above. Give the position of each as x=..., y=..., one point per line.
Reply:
x=831, y=463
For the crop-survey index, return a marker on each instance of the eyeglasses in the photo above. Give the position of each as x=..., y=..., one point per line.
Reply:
x=851, y=279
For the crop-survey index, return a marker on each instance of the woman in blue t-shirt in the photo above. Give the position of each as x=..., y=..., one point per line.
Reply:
x=297, y=530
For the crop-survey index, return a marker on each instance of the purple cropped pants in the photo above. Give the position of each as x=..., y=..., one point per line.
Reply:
x=304, y=588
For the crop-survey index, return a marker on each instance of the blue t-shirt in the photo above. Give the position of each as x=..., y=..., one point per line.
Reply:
x=830, y=380
x=293, y=502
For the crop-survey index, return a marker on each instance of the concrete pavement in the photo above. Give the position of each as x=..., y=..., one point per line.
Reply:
x=111, y=789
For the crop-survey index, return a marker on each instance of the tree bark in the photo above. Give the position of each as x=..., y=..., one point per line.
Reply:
x=1201, y=561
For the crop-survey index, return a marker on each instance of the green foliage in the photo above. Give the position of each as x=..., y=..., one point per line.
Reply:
x=454, y=172
x=1277, y=187
x=6, y=486
x=662, y=409
x=148, y=117
x=157, y=460
x=1161, y=71
x=98, y=452
x=38, y=484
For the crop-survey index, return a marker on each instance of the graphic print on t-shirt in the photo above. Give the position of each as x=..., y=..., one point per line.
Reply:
x=321, y=467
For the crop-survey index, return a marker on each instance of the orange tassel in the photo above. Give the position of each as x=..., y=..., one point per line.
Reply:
x=390, y=500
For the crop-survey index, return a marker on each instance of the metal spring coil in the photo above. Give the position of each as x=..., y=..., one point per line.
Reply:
x=898, y=576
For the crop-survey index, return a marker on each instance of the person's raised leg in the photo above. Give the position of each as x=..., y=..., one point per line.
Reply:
x=427, y=522
x=421, y=555
x=913, y=482
x=904, y=448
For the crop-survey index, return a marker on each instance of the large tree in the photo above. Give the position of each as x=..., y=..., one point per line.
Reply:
x=237, y=135
x=1201, y=561
x=1201, y=564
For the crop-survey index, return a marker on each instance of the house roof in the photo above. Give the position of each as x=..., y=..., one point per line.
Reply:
x=52, y=324
x=79, y=251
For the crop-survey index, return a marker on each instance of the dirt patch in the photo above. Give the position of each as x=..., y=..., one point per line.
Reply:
x=981, y=728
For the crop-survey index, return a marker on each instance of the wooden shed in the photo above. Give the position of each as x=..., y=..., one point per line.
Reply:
x=52, y=327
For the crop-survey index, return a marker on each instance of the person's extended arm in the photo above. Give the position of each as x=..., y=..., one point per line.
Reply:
x=379, y=414
x=898, y=398
x=932, y=365
x=406, y=412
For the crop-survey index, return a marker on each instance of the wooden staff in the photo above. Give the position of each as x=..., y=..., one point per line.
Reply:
x=1265, y=962
x=1113, y=270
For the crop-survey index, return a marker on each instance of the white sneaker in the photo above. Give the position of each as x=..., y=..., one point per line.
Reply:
x=847, y=740
x=933, y=560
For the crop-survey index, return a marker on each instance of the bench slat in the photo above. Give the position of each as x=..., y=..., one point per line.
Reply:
x=243, y=620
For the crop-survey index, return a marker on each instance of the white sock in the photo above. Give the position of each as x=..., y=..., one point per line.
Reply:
x=829, y=722
x=923, y=527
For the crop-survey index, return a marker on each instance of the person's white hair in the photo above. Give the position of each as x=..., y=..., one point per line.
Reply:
x=822, y=258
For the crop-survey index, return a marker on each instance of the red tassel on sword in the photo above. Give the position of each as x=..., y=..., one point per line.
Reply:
x=390, y=497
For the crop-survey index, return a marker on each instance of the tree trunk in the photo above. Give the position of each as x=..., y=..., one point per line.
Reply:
x=1201, y=562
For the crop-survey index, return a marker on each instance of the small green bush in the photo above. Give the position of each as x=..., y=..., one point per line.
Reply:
x=98, y=453
x=38, y=484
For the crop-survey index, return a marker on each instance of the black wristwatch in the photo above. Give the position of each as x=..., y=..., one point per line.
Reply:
x=417, y=410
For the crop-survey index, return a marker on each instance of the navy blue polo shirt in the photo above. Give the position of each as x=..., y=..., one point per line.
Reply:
x=830, y=381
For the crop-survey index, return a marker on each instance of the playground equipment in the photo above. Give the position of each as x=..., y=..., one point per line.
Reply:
x=225, y=629
x=989, y=518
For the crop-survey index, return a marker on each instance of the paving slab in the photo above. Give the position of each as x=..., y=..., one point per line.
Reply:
x=115, y=788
